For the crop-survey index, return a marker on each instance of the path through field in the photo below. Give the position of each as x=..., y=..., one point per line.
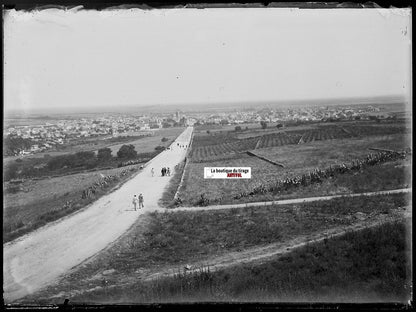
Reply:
x=288, y=201
x=41, y=257
x=264, y=253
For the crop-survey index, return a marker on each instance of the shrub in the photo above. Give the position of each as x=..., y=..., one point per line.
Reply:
x=127, y=151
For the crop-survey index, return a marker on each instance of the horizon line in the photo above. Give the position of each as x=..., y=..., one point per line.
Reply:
x=205, y=105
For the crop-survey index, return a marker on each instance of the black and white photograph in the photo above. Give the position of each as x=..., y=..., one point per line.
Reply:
x=210, y=154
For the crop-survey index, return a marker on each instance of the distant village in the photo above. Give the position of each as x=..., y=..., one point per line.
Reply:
x=46, y=136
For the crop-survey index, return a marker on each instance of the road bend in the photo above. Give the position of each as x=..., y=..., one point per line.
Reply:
x=40, y=258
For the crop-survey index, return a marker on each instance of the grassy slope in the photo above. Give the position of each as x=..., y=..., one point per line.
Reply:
x=148, y=144
x=183, y=237
x=368, y=266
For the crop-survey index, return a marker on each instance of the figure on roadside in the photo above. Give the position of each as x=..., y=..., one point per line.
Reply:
x=168, y=171
x=141, y=201
x=153, y=172
x=162, y=172
x=135, y=201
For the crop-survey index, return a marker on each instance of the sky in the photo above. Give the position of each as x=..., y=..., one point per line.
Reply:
x=84, y=58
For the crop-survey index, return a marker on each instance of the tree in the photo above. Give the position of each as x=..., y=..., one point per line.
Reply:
x=14, y=144
x=263, y=124
x=84, y=159
x=237, y=128
x=182, y=121
x=127, y=151
x=104, y=154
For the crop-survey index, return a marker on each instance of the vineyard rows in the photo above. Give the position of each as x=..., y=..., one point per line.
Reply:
x=278, y=139
x=223, y=145
x=365, y=130
x=203, y=152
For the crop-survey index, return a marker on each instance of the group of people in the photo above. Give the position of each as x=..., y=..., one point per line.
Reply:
x=182, y=145
x=138, y=201
x=165, y=171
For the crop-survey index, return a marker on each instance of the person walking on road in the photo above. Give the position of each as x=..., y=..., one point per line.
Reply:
x=168, y=171
x=141, y=201
x=153, y=172
x=135, y=200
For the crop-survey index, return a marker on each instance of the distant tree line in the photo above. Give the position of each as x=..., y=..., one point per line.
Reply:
x=80, y=160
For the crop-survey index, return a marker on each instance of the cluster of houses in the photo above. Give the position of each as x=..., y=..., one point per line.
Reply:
x=48, y=135
x=322, y=113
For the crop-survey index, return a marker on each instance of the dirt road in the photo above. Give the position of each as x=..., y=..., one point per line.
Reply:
x=41, y=257
x=288, y=201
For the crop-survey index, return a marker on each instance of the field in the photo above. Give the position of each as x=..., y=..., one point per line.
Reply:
x=207, y=146
x=169, y=241
x=299, y=159
x=148, y=144
x=339, y=270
